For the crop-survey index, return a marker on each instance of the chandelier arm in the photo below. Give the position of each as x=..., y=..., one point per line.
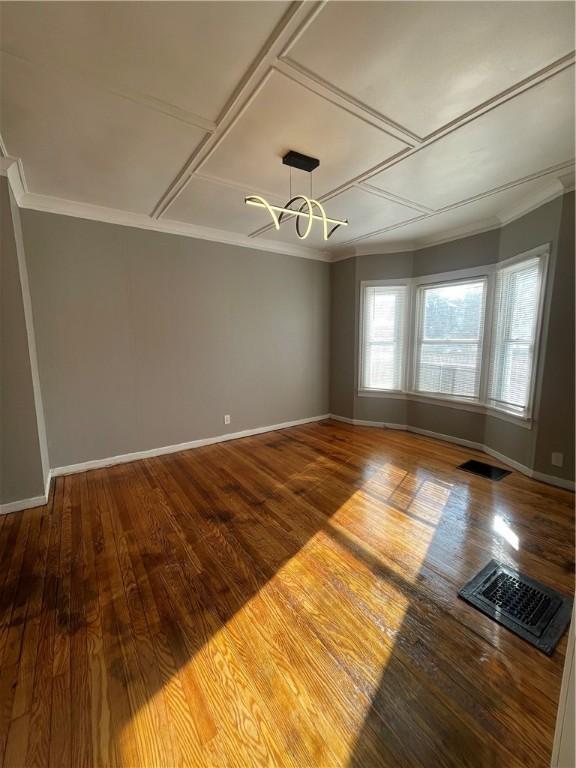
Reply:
x=285, y=212
x=323, y=214
x=256, y=199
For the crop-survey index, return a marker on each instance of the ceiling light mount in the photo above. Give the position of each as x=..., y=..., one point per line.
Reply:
x=302, y=162
x=308, y=205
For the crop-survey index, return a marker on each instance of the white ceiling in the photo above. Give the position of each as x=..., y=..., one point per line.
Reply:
x=430, y=118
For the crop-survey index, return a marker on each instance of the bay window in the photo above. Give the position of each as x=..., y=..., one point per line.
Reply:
x=469, y=336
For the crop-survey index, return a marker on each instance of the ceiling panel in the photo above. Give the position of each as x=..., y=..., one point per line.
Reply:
x=423, y=64
x=88, y=145
x=284, y=115
x=527, y=134
x=186, y=54
x=216, y=205
x=365, y=212
x=481, y=213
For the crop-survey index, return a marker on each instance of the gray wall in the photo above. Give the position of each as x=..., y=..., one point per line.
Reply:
x=342, y=336
x=552, y=428
x=147, y=339
x=20, y=458
x=556, y=409
x=467, y=252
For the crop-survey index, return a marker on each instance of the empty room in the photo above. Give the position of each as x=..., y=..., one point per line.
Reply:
x=287, y=383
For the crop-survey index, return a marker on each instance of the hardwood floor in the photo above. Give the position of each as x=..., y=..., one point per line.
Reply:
x=282, y=600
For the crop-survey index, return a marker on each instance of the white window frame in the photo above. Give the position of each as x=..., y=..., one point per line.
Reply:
x=412, y=324
x=543, y=254
x=418, y=328
x=373, y=392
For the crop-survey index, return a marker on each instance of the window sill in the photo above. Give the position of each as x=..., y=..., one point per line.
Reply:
x=446, y=402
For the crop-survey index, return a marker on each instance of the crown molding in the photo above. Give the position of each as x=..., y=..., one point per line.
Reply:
x=385, y=249
x=343, y=253
x=5, y=163
x=409, y=246
x=17, y=180
x=459, y=233
x=522, y=208
x=47, y=204
x=553, y=189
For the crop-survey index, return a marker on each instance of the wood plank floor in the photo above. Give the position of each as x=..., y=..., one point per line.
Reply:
x=282, y=600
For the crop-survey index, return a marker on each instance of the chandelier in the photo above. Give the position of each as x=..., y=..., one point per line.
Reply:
x=305, y=207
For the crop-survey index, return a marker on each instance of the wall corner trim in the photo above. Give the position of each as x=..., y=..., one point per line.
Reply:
x=31, y=336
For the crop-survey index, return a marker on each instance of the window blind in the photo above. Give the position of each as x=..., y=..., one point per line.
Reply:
x=516, y=303
x=383, y=342
x=449, y=338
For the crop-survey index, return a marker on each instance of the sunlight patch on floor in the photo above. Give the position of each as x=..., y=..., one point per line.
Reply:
x=295, y=649
x=504, y=531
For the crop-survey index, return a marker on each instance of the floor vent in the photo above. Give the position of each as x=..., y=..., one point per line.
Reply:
x=484, y=470
x=528, y=608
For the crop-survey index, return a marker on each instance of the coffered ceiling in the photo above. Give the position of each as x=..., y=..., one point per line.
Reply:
x=430, y=119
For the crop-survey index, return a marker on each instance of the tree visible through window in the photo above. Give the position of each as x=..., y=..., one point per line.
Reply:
x=445, y=353
x=449, y=345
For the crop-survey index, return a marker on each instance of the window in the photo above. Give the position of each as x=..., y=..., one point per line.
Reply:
x=516, y=313
x=383, y=335
x=469, y=336
x=449, y=341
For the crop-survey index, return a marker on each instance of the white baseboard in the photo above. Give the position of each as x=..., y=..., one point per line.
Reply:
x=38, y=501
x=364, y=423
x=127, y=457
x=559, y=482
x=21, y=504
x=506, y=460
x=446, y=438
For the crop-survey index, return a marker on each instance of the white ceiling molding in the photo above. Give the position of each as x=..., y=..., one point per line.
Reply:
x=294, y=22
x=456, y=158
x=150, y=102
x=387, y=249
x=529, y=82
x=63, y=207
x=522, y=207
x=3, y=150
x=15, y=174
x=5, y=163
x=458, y=234
x=329, y=92
x=567, y=181
x=394, y=198
x=542, y=196
x=539, y=77
x=553, y=189
x=363, y=180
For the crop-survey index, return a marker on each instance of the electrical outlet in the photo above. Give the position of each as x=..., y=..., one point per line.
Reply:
x=227, y=419
x=557, y=460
